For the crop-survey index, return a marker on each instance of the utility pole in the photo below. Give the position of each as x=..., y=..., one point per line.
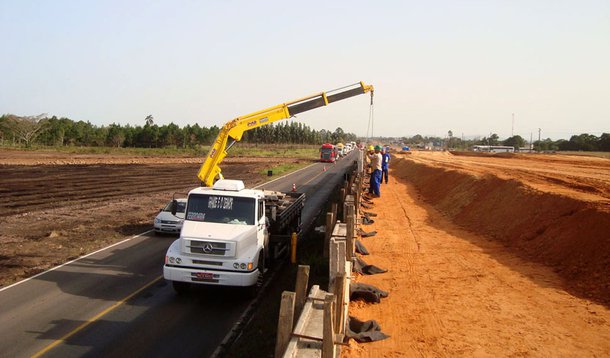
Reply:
x=539, y=146
x=531, y=144
x=512, y=128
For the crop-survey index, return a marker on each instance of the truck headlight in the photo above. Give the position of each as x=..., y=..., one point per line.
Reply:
x=171, y=260
x=236, y=265
x=157, y=221
x=242, y=266
x=178, y=260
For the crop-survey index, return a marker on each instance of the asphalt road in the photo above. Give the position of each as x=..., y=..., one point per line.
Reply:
x=115, y=302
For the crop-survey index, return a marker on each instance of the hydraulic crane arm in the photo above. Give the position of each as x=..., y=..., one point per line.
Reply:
x=233, y=130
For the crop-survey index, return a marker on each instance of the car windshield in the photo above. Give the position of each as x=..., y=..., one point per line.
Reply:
x=180, y=208
x=221, y=209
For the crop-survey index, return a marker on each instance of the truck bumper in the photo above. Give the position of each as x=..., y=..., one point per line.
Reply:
x=210, y=277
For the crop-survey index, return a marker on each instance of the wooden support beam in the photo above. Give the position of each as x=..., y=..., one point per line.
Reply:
x=301, y=289
x=339, y=294
x=285, y=322
x=350, y=226
x=328, y=344
x=336, y=262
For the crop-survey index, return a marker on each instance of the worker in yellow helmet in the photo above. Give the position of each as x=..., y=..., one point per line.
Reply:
x=375, y=165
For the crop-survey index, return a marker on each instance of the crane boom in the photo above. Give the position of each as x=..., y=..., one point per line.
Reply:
x=233, y=130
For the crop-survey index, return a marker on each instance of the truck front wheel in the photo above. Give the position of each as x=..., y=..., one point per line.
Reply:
x=253, y=290
x=181, y=287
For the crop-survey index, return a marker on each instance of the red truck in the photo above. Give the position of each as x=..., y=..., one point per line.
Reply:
x=328, y=153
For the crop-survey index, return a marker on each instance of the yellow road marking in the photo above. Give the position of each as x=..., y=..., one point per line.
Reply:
x=94, y=318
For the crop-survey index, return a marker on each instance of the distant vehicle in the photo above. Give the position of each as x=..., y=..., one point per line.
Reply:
x=328, y=153
x=493, y=148
x=165, y=222
x=340, y=149
x=405, y=148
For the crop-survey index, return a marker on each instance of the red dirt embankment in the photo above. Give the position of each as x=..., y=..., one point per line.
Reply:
x=490, y=256
x=572, y=236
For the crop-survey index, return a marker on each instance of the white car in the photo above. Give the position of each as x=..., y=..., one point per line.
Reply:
x=165, y=222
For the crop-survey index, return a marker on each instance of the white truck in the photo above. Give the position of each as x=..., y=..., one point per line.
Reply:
x=230, y=234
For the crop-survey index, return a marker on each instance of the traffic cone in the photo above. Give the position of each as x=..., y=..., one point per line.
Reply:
x=324, y=169
x=294, y=187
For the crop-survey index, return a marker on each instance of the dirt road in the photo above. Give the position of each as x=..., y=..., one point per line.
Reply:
x=491, y=256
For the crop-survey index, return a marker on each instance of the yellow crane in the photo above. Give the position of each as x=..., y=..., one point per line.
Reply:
x=233, y=130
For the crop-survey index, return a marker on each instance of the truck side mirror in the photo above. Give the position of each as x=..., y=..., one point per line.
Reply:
x=174, y=207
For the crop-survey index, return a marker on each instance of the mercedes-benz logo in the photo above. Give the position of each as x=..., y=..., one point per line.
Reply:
x=208, y=248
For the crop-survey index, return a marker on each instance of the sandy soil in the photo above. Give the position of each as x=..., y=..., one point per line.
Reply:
x=491, y=256
x=55, y=206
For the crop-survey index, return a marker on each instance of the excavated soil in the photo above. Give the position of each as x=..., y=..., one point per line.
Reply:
x=55, y=207
x=491, y=256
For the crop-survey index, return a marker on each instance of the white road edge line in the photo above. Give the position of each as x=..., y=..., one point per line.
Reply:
x=69, y=262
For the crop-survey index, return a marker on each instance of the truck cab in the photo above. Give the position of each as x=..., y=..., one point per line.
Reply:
x=328, y=153
x=223, y=237
x=228, y=235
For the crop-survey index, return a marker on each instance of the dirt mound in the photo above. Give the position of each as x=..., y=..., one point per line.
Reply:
x=567, y=234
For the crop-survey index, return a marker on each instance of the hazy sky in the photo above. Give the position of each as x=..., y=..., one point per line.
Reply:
x=464, y=66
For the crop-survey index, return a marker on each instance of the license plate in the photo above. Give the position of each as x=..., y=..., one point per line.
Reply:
x=204, y=275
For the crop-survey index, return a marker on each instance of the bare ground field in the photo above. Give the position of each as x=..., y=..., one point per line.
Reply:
x=498, y=255
x=55, y=206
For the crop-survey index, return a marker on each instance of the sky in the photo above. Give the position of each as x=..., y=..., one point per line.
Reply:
x=466, y=66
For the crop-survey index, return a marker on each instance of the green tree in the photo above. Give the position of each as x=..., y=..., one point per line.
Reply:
x=515, y=141
x=115, y=136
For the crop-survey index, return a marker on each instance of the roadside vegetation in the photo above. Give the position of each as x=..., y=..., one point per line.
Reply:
x=30, y=131
x=577, y=143
x=239, y=150
x=284, y=168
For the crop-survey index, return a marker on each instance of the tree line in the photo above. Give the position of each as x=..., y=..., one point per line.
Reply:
x=580, y=142
x=52, y=131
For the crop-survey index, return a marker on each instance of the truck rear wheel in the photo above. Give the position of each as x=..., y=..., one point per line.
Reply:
x=181, y=287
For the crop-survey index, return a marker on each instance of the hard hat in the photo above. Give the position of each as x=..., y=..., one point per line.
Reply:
x=377, y=147
x=371, y=147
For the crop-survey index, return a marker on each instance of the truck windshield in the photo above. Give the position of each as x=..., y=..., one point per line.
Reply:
x=220, y=209
x=326, y=152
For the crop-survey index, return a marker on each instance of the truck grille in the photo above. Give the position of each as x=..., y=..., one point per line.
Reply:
x=208, y=248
